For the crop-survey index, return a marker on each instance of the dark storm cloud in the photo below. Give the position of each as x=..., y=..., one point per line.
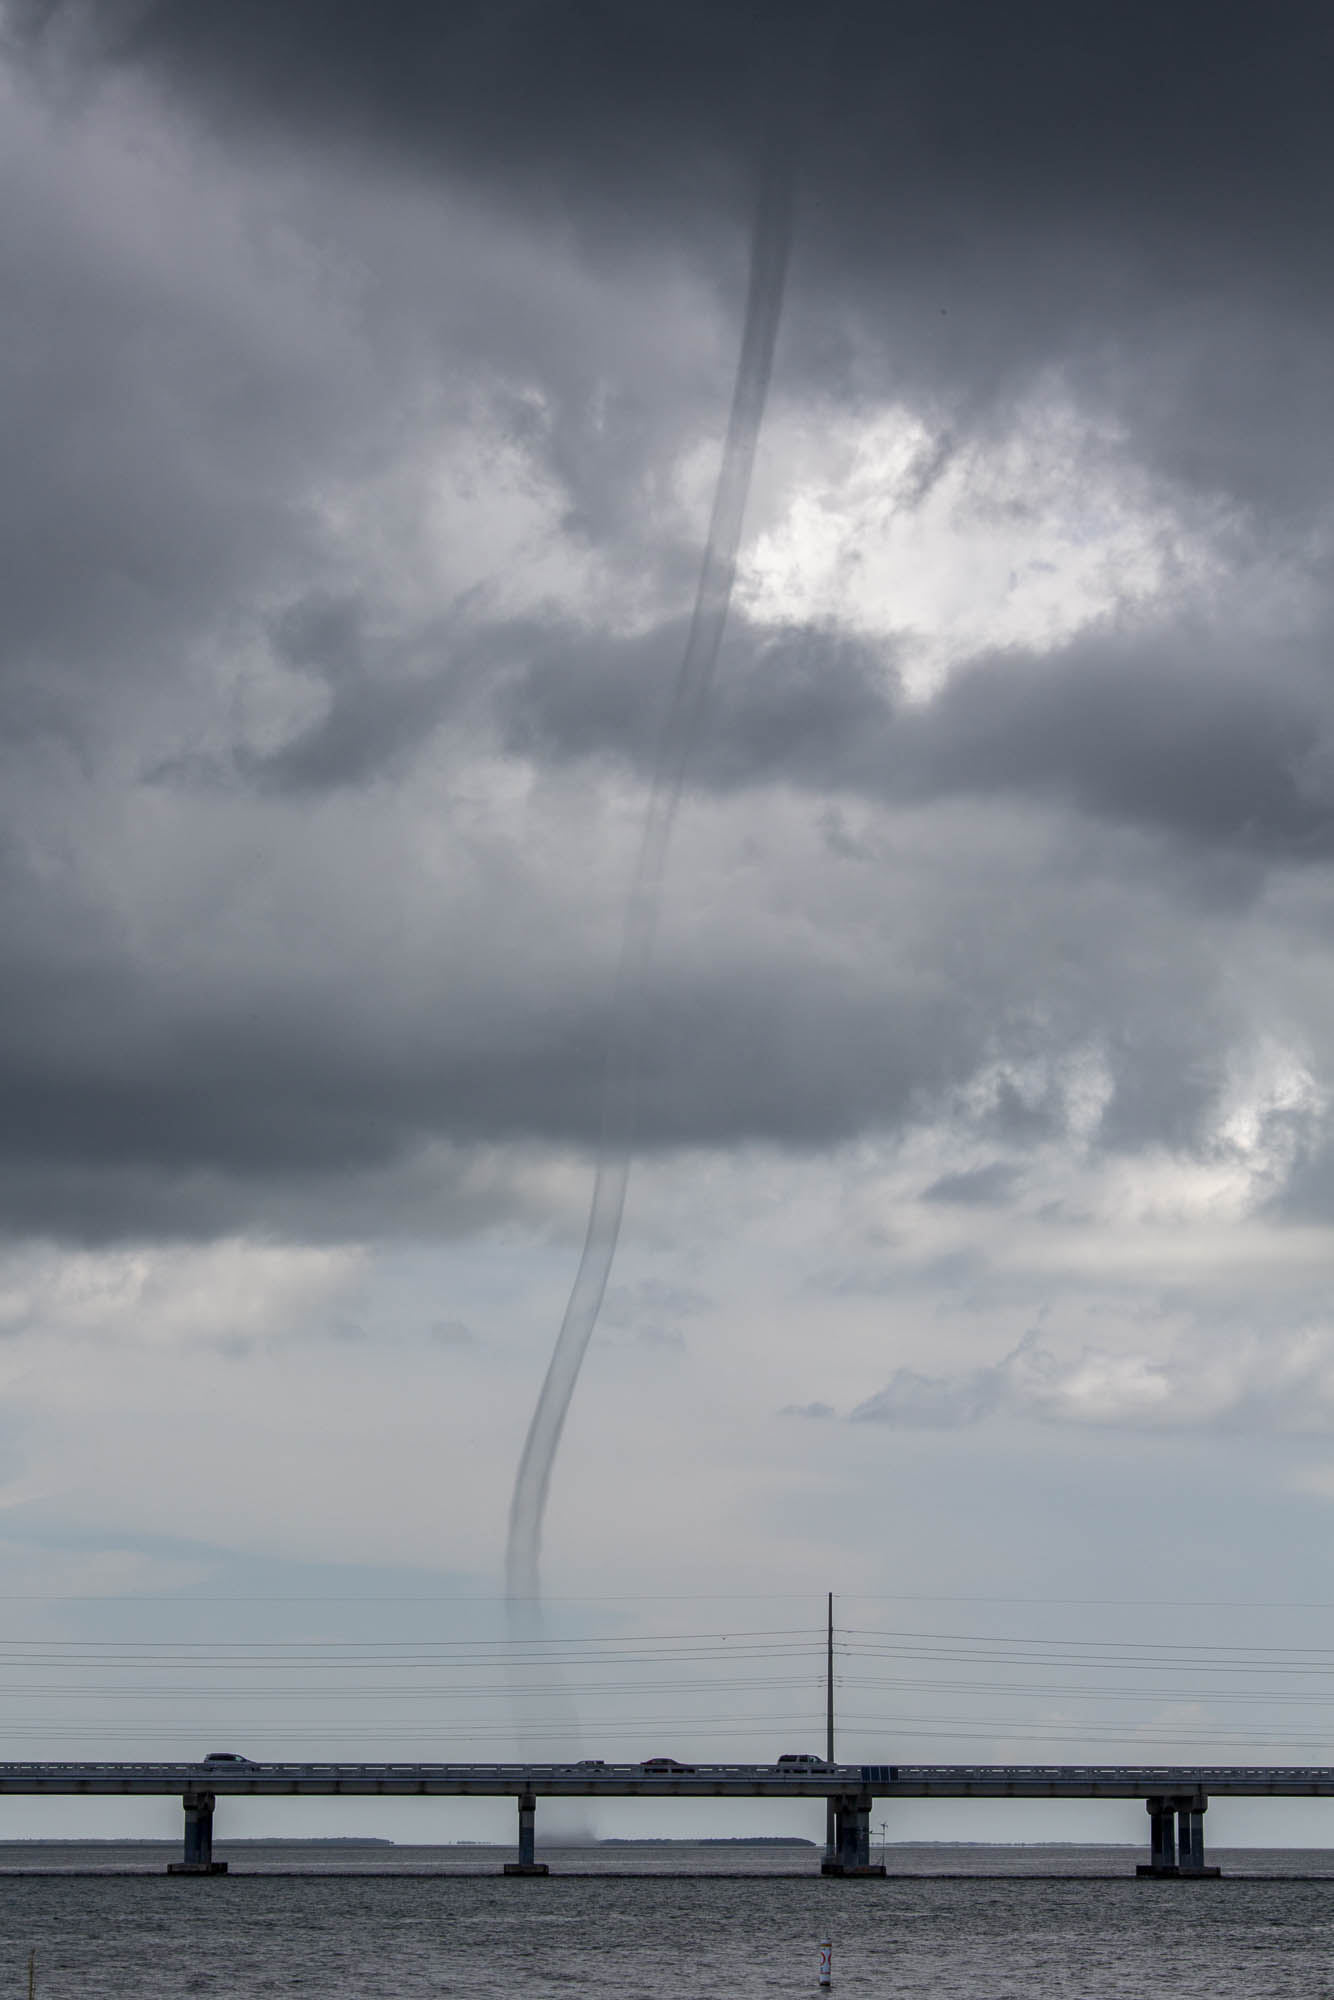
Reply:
x=295, y=1055
x=113, y=542
x=171, y=1101
x=379, y=707
x=1210, y=108
x=1133, y=202
x=1168, y=723
x=156, y=396
x=1171, y=723
x=999, y=189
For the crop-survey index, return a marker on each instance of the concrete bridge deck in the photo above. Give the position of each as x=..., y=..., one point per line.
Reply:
x=1176, y=1795
x=246, y=1779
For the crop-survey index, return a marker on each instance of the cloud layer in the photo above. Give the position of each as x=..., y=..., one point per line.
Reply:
x=1279, y=1384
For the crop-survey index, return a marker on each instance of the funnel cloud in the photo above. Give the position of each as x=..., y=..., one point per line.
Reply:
x=770, y=245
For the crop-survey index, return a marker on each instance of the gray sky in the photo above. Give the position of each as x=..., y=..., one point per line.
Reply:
x=363, y=376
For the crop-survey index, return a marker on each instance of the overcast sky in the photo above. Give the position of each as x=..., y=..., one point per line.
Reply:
x=363, y=375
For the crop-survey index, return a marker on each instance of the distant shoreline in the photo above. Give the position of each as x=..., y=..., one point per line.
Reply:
x=705, y=1840
x=350, y=1843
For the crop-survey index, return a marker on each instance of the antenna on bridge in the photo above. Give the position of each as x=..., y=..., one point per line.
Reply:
x=829, y=1724
x=829, y=1685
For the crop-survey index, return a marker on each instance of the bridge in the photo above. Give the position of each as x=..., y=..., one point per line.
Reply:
x=1176, y=1795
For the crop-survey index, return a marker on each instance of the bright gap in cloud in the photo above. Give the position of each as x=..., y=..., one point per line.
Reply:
x=948, y=547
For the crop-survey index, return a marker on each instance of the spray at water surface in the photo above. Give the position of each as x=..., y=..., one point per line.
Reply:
x=768, y=268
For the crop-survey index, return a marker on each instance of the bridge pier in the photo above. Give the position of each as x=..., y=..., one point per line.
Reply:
x=1176, y=1836
x=198, y=1858
x=1162, y=1838
x=852, y=1838
x=526, y=1863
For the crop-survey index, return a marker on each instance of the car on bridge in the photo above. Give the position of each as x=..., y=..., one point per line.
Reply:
x=664, y=1764
x=800, y=1760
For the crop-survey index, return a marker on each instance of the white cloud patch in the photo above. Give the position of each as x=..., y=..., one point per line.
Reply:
x=217, y=1294
x=1257, y=1383
x=472, y=507
x=1269, y=1110
x=1074, y=1086
x=1018, y=539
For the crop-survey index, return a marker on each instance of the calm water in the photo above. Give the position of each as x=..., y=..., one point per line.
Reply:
x=349, y=1935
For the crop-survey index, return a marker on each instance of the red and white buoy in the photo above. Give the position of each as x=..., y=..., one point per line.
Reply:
x=827, y=1962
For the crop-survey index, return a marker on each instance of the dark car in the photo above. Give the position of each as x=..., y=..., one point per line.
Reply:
x=227, y=1757
x=664, y=1764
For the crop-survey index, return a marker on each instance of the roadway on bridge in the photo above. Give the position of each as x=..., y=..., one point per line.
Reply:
x=236, y=1777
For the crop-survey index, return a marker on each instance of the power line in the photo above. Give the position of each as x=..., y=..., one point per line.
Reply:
x=441, y=1600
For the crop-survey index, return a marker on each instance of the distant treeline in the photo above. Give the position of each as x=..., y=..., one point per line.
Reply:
x=171, y=1846
x=714, y=1840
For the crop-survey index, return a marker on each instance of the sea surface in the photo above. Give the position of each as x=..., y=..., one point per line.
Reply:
x=660, y=1923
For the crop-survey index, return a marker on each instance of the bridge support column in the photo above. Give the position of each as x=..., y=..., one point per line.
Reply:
x=526, y=1864
x=1162, y=1838
x=852, y=1838
x=1176, y=1836
x=198, y=1857
x=1190, y=1837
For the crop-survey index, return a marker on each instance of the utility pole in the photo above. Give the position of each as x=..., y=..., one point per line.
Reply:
x=829, y=1725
